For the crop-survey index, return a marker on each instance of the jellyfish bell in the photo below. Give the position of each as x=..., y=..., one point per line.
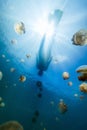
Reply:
x=11, y=125
x=65, y=75
x=83, y=77
x=22, y=78
x=62, y=107
x=83, y=87
x=80, y=38
x=70, y=83
x=2, y=104
x=19, y=28
x=82, y=69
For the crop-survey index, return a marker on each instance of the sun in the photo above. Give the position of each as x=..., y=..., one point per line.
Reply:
x=42, y=26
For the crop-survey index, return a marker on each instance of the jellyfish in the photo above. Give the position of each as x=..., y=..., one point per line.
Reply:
x=22, y=78
x=62, y=107
x=65, y=75
x=2, y=104
x=14, y=41
x=11, y=125
x=82, y=70
x=19, y=28
x=70, y=83
x=80, y=38
x=83, y=87
x=12, y=69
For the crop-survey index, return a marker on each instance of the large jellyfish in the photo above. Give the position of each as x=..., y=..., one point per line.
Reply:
x=11, y=125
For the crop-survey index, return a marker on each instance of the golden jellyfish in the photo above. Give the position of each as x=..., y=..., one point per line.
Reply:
x=11, y=125
x=22, y=78
x=82, y=70
x=83, y=87
x=80, y=38
x=65, y=75
x=62, y=107
x=19, y=28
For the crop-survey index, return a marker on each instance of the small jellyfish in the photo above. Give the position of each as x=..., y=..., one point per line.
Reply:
x=1, y=75
x=22, y=78
x=75, y=95
x=44, y=129
x=2, y=104
x=62, y=107
x=81, y=97
x=70, y=83
x=55, y=60
x=80, y=38
x=61, y=100
x=12, y=69
x=7, y=60
x=83, y=87
x=14, y=84
x=14, y=41
x=28, y=56
x=65, y=75
x=82, y=70
x=57, y=119
x=19, y=28
x=22, y=60
x=3, y=56
x=52, y=103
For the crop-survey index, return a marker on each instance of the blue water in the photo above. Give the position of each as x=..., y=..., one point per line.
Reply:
x=21, y=101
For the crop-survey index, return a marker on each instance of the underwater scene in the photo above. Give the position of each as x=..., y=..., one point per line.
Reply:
x=43, y=64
